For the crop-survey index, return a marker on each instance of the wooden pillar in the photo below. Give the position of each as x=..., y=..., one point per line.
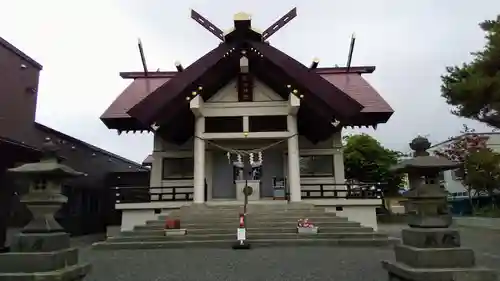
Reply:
x=293, y=160
x=199, y=161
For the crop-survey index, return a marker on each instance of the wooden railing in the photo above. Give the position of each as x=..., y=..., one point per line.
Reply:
x=342, y=191
x=153, y=194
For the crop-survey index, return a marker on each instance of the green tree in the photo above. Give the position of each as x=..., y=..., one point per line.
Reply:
x=366, y=160
x=481, y=169
x=473, y=89
x=483, y=172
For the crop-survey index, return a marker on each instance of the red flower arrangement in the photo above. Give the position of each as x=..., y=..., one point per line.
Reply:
x=305, y=223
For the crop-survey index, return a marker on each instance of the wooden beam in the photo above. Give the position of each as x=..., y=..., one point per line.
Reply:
x=207, y=25
x=279, y=24
x=314, y=64
x=141, y=74
x=318, y=70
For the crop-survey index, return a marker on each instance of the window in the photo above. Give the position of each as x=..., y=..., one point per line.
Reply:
x=229, y=124
x=40, y=185
x=457, y=174
x=178, y=168
x=441, y=177
x=267, y=123
x=316, y=165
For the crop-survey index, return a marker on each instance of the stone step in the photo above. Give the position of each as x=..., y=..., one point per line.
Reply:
x=232, y=230
x=279, y=230
x=250, y=205
x=256, y=243
x=234, y=223
x=249, y=219
x=226, y=218
x=250, y=236
x=236, y=214
x=250, y=209
x=132, y=233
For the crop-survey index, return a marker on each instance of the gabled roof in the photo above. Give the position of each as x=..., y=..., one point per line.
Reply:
x=352, y=83
x=169, y=97
x=216, y=68
x=323, y=101
x=332, y=102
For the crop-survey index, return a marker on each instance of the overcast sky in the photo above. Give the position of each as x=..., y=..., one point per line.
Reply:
x=83, y=45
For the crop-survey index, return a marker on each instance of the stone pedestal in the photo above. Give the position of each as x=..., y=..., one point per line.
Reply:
x=434, y=254
x=42, y=250
x=254, y=184
x=42, y=256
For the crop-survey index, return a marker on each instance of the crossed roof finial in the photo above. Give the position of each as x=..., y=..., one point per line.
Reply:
x=244, y=17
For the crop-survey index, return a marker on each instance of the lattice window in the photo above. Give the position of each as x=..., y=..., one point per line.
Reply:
x=40, y=184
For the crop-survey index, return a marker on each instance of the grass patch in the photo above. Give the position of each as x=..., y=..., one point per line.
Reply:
x=488, y=211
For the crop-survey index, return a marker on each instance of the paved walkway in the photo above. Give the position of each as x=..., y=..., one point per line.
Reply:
x=265, y=264
x=308, y=263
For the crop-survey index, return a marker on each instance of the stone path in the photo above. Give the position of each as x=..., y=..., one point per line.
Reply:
x=350, y=264
x=269, y=264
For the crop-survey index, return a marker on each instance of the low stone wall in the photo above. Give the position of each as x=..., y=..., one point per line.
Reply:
x=480, y=222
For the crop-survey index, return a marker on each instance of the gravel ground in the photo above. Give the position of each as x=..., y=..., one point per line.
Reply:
x=305, y=263
x=353, y=264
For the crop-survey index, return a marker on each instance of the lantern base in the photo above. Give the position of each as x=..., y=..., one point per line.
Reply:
x=43, y=216
x=43, y=225
x=401, y=272
x=434, y=254
x=46, y=256
x=40, y=242
x=431, y=237
x=435, y=221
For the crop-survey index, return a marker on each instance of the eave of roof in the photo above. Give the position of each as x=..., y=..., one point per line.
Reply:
x=319, y=70
x=20, y=54
x=212, y=70
x=375, y=111
x=74, y=140
x=318, y=92
x=148, y=109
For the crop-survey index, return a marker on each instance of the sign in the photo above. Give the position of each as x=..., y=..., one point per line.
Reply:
x=241, y=234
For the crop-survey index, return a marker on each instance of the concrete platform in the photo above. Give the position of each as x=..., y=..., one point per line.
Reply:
x=256, y=243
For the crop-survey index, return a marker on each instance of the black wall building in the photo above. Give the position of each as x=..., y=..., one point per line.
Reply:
x=90, y=201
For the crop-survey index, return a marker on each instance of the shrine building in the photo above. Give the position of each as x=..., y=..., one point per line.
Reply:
x=245, y=104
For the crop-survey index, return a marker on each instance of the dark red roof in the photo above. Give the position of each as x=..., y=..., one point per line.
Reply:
x=359, y=89
x=132, y=95
x=351, y=83
x=326, y=94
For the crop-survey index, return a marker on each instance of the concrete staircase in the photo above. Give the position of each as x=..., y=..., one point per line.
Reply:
x=267, y=225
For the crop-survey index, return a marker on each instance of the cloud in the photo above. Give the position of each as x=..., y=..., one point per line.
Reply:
x=83, y=45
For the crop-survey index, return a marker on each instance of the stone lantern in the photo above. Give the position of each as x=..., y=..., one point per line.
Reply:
x=430, y=250
x=43, y=247
x=426, y=197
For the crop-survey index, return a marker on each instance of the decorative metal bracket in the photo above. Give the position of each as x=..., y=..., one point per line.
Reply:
x=207, y=25
x=279, y=24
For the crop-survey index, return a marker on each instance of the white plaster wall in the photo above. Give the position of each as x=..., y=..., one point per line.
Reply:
x=131, y=218
x=138, y=213
x=327, y=147
x=266, y=102
x=365, y=215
